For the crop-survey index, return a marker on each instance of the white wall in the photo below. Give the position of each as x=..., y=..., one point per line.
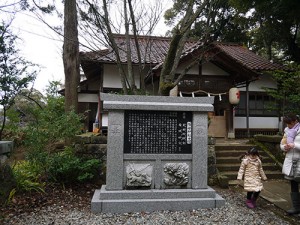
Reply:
x=264, y=81
x=211, y=69
x=111, y=77
x=104, y=119
x=257, y=122
x=194, y=70
x=83, y=97
x=208, y=68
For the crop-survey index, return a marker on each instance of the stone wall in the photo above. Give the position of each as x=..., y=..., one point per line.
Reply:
x=212, y=172
x=271, y=145
x=91, y=145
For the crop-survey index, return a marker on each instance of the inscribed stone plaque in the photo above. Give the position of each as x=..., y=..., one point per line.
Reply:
x=158, y=132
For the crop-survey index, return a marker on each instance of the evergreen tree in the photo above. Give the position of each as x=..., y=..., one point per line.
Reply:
x=15, y=72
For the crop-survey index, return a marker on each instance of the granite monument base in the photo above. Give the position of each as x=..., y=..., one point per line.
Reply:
x=125, y=201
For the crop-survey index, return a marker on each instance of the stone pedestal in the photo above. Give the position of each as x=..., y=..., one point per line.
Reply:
x=156, y=155
x=6, y=148
x=124, y=201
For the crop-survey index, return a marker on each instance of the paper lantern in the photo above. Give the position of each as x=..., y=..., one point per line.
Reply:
x=234, y=96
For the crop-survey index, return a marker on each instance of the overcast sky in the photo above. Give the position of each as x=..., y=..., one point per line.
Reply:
x=38, y=44
x=43, y=46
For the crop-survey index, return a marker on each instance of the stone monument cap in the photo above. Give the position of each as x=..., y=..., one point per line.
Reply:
x=165, y=103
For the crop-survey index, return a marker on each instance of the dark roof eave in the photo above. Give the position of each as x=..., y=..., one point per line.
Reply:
x=267, y=64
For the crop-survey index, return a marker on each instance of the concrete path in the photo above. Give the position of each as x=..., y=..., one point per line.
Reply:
x=278, y=193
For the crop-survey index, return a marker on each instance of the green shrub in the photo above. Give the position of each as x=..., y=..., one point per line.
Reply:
x=27, y=177
x=48, y=124
x=7, y=183
x=54, y=126
x=65, y=167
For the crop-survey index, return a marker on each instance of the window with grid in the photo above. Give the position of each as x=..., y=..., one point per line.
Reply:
x=259, y=105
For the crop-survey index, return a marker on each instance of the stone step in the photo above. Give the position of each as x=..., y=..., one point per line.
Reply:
x=235, y=167
x=234, y=153
x=224, y=147
x=270, y=174
x=228, y=163
x=229, y=159
x=233, y=182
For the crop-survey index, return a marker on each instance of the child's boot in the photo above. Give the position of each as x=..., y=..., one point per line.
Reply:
x=249, y=204
x=253, y=199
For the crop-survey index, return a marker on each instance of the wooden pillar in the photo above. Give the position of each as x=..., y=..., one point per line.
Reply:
x=247, y=109
x=229, y=115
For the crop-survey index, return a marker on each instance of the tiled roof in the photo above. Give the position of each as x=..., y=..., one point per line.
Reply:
x=154, y=49
x=247, y=58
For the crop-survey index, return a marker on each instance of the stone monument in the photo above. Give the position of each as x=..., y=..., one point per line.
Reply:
x=156, y=155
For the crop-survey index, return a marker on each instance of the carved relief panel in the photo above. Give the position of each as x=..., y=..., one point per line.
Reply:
x=176, y=174
x=139, y=175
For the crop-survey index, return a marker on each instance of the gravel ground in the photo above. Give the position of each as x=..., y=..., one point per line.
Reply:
x=72, y=209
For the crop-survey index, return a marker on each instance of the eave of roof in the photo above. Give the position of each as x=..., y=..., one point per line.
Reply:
x=247, y=58
x=154, y=49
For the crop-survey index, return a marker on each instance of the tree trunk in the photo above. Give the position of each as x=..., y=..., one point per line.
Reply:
x=71, y=56
x=130, y=72
x=134, y=29
x=165, y=83
x=171, y=62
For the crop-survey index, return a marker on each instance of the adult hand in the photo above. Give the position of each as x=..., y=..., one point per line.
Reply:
x=289, y=146
x=286, y=148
